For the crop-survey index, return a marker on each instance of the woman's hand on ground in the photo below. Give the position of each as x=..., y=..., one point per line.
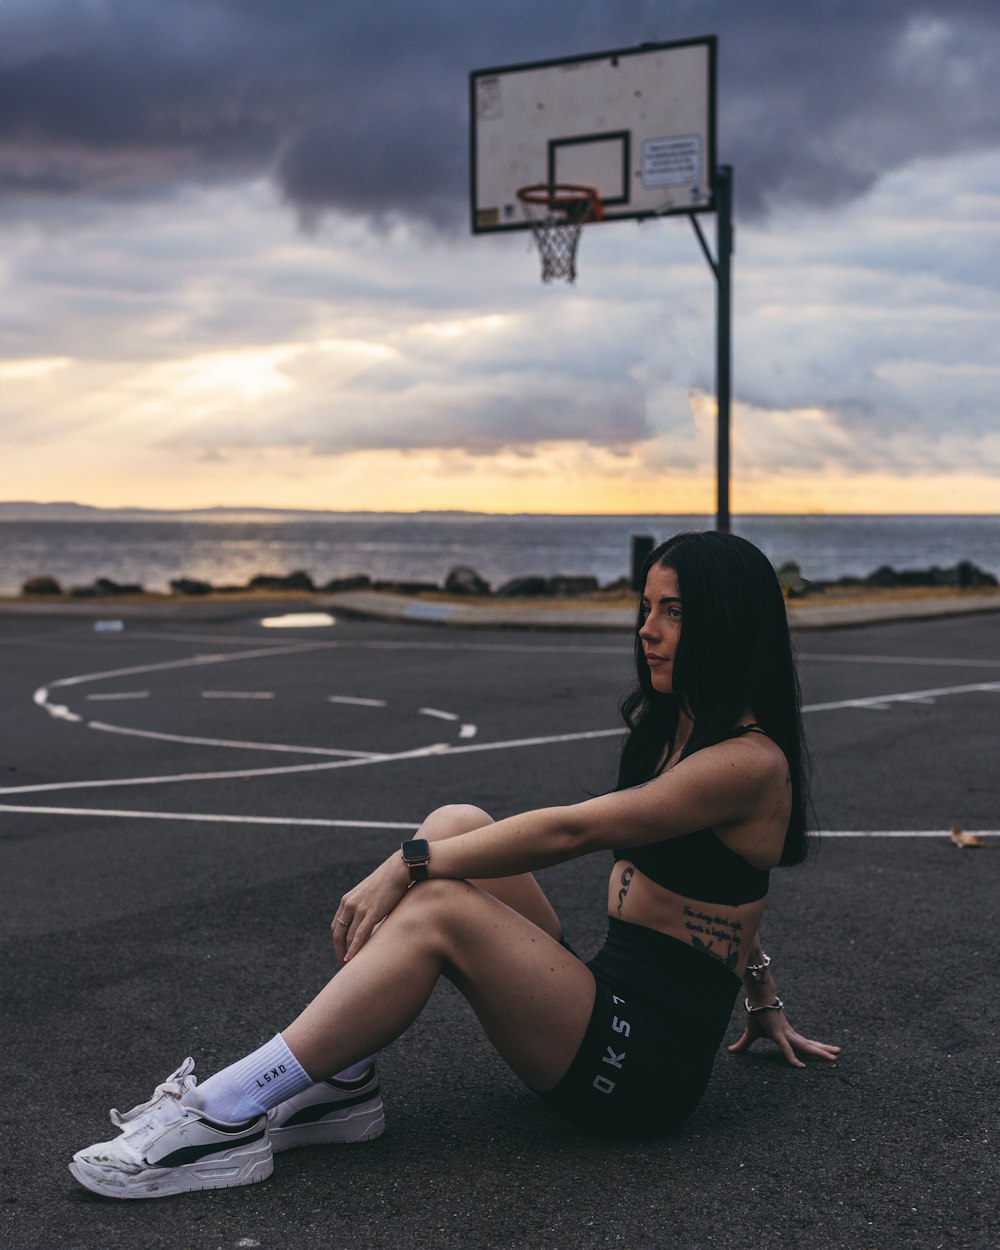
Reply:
x=362, y=909
x=776, y=1026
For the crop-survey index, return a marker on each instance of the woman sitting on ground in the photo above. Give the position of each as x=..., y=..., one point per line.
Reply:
x=711, y=796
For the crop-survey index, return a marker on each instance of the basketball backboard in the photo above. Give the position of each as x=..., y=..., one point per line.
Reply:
x=637, y=125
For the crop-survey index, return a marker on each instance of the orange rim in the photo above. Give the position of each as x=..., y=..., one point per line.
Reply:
x=562, y=195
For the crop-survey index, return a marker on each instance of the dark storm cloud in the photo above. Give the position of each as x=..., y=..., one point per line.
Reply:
x=361, y=107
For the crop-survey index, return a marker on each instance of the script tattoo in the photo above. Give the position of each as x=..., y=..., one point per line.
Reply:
x=707, y=930
x=627, y=876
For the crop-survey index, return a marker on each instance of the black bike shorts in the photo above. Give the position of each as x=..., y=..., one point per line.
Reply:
x=660, y=1014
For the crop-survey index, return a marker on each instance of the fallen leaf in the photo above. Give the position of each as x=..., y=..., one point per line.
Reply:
x=961, y=839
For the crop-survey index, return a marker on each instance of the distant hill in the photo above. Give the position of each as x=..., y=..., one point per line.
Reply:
x=24, y=510
x=27, y=510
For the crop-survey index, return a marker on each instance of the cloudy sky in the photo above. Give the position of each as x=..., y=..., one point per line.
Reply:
x=237, y=265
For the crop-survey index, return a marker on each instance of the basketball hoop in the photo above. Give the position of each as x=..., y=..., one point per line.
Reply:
x=557, y=214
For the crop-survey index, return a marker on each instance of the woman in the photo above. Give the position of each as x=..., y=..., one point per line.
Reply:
x=711, y=796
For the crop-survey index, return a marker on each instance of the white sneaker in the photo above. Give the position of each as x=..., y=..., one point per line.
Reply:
x=167, y=1146
x=334, y=1111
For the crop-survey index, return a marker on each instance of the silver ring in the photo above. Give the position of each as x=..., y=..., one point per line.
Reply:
x=345, y=923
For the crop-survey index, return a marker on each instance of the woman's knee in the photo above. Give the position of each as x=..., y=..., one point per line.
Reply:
x=453, y=819
x=433, y=907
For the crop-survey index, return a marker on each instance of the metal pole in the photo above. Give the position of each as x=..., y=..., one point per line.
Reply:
x=723, y=340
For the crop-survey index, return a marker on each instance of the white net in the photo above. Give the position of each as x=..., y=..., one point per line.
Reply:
x=557, y=214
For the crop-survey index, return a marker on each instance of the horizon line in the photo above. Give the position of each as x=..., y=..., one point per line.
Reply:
x=7, y=506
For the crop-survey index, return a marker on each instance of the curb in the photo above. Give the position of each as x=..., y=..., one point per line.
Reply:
x=368, y=605
x=385, y=606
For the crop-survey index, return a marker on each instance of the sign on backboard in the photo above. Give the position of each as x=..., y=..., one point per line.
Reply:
x=637, y=125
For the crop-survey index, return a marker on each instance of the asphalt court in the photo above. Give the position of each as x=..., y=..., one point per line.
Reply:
x=203, y=792
x=166, y=721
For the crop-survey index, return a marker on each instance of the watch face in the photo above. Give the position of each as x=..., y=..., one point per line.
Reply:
x=416, y=849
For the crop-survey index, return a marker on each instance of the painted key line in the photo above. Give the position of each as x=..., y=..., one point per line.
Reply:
x=342, y=757
x=308, y=822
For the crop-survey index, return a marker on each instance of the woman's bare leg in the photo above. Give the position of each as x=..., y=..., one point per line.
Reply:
x=522, y=893
x=532, y=996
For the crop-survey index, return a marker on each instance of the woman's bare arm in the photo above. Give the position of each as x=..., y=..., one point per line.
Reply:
x=720, y=785
x=723, y=784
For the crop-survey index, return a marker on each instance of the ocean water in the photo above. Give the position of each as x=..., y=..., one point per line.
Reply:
x=425, y=546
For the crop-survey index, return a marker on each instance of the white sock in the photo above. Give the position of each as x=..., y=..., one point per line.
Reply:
x=254, y=1084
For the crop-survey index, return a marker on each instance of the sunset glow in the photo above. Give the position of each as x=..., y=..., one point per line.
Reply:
x=211, y=315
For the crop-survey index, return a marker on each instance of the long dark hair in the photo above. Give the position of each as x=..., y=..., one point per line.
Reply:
x=734, y=655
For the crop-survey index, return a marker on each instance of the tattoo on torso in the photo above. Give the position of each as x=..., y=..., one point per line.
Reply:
x=718, y=936
x=627, y=876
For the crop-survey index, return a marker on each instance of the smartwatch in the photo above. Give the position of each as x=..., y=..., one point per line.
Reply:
x=416, y=854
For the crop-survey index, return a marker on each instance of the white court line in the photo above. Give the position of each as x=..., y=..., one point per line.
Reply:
x=41, y=697
x=437, y=748
x=190, y=661
x=620, y=648
x=237, y=694
x=513, y=743
x=914, y=696
x=57, y=710
x=343, y=698
x=416, y=644
x=213, y=818
x=319, y=823
x=878, y=702
x=465, y=731
x=936, y=661
x=121, y=694
x=188, y=740
x=441, y=749
x=61, y=712
x=535, y=648
x=905, y=833
x=236, y=639
x=433, y=711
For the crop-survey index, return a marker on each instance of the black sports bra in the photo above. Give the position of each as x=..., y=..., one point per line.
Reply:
x=699, y=865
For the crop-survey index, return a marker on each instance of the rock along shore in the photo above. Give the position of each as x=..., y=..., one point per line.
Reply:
x=464, y=582
x=850, y=602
